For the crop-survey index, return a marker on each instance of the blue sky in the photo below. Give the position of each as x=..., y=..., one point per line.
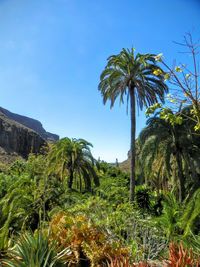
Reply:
x=53, y=51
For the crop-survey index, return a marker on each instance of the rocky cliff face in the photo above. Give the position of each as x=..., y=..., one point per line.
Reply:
x=16, y=138
x=30, y=123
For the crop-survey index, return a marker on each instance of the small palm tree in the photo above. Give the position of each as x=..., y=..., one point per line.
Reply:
x=139, y=79
x=73, y=158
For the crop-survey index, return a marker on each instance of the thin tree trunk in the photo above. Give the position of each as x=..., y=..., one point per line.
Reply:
x=80, y=184
x=44, y=197
x=133, y=126
x=70, y=181
x=180, y=177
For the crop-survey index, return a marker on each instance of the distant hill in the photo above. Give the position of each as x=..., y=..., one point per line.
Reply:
x=125, y=165
x=33, y=124
x=20, y=135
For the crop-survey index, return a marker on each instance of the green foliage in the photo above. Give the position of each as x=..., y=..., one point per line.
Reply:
x=191, y=216
x=20, y=203
x=72, y=158
x=33, y=250
x=5, y=182
x=125, y=223
x=170, y=218
x=143, y=199
x=151, y=110
x=113, y=186
x=32, y=195
x=128, y=69
x=168, y=153
x=17, y=168
x=77, y=207
x=169, y=116
x=36, y=166
x=148, y=201
x=145, y=227
x=179, y=222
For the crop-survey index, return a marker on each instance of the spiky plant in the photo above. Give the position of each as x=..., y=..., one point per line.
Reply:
x=33, y=250
x=191, y=214
x=170, y=219
x=181, y=257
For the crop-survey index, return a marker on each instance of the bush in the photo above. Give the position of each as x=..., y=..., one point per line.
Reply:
x=84, y=241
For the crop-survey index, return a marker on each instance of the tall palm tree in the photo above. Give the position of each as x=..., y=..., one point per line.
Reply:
x=73, y=158
x=173, y=147
x=139, y=79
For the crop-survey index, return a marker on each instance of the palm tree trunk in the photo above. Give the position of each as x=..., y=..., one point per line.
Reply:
x=180, y=177
x=70, y=181
x=133, y=126
x=44, y=197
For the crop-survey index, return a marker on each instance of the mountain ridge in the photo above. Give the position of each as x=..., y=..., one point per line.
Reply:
x=21, y=135
x=30, y=123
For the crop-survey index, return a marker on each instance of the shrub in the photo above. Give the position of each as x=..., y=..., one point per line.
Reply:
x=181, y=257
x=85, y=241
x=33, y=250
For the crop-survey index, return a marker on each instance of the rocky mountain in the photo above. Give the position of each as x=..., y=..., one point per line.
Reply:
x=33, y=124
x=20, y=135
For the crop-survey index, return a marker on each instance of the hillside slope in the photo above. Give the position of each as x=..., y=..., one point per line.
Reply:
x=33, y=124
x=16, y=138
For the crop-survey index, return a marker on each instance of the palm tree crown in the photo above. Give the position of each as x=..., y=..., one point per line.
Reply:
x=172, y=148
x=126, y=71
x=139, y=79
x=73, y=158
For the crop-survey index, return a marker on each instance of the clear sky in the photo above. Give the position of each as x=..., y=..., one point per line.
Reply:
x=53, y=51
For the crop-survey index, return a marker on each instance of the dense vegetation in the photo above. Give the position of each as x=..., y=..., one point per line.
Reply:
x=64, y=208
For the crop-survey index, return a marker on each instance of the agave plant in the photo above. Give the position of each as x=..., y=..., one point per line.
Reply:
x=125, y=262
x=181, y=257
x=119, y=262
x=33, y=250
x=88, y=245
